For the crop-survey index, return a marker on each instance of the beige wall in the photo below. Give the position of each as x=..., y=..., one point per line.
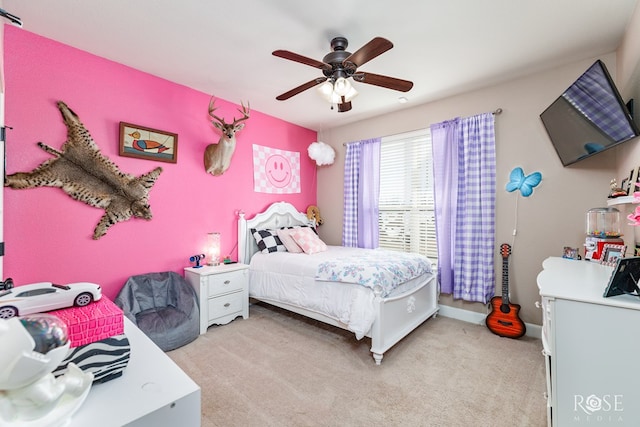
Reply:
x=629, y=82
x=629, y=52
x=553, y=217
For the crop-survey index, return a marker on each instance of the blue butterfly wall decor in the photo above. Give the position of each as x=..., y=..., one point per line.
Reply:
x=518, y=181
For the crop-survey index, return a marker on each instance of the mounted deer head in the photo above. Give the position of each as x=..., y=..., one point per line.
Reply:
x=217, y=157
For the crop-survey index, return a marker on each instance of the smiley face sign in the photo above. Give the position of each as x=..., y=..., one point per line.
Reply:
x=275, y=171
x=278, y=171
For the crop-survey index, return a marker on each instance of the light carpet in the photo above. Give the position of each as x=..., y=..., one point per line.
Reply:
x=280, y=369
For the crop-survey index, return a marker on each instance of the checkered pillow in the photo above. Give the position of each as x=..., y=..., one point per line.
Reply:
x=308, y=240
x=300, y=226
x=268, y=241
x=285, y=235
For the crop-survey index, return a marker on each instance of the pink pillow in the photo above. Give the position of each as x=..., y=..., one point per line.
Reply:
x=285, y=235
x=308, y=240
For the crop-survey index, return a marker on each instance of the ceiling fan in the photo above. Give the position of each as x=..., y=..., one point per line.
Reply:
x=338, y=66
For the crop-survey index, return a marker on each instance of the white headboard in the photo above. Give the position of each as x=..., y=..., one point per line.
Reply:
x=278, y=215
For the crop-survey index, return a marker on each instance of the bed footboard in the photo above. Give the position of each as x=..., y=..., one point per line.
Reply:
x=396, y=317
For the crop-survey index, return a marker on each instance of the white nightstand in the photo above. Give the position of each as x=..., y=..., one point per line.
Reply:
x=223, y=291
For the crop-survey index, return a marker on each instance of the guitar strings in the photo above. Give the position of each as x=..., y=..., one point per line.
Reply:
x=513, y=240
x=515, y=230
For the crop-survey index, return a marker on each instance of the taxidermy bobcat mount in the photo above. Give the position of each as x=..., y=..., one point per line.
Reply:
x=217, y=157
x=86, y=175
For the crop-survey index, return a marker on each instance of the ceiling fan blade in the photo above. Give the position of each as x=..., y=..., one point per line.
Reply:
x=383, y=81
x=301, y=88
x=366, y=53
x=301, y=59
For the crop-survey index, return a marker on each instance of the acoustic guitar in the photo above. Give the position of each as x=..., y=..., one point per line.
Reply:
x=503, y=319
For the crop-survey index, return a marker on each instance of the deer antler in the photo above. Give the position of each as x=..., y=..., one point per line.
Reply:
x=212, y=109
x=245, y=112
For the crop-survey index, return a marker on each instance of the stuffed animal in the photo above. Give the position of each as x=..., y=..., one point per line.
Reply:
x=314, y=213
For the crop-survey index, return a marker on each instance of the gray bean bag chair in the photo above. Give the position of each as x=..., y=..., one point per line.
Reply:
x=164, y=306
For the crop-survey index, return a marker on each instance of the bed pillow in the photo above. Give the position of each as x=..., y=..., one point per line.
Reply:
x=302, y=226
x=268, y=241
x=285, y=235
x=308, y=240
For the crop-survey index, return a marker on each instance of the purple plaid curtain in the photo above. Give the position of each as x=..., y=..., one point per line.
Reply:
x=361, y=191
x=464, y=162
x=444, y=140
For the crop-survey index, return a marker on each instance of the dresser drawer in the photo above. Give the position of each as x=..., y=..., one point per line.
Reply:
x=225, y=305
x=228, y=282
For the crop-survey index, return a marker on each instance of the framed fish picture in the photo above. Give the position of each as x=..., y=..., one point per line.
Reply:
x=147, y=143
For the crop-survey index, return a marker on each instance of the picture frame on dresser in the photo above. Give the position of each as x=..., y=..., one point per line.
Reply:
x=611, y=253
x=624, y=279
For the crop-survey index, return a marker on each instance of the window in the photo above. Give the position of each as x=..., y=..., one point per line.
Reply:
x=406, y=217
x=36, y=292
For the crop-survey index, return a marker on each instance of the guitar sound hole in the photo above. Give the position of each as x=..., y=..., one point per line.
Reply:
x=505, y=308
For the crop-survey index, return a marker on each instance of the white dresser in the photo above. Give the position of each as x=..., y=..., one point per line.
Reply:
x=591, y=346
x=223, y=292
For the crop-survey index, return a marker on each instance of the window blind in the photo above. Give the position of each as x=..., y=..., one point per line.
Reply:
x=406, y=217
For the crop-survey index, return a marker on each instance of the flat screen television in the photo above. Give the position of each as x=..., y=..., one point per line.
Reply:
x=589, y=117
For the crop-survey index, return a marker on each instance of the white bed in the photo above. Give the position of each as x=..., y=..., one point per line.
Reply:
x=275, y=280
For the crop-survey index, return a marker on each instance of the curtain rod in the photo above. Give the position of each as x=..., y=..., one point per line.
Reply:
x=495, y=112
x=12, y=18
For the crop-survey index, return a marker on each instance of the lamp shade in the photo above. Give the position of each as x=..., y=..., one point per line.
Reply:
x=341, y=86
x=326, y=89
x=352, y=93
x=213, y=248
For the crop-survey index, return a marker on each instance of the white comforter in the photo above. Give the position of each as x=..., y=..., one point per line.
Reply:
x=379, y=269
x=290, y=278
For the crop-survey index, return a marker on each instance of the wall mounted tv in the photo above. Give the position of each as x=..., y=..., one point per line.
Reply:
x=589, y=117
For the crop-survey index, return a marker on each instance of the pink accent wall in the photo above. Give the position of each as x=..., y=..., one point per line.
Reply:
x=48, y=235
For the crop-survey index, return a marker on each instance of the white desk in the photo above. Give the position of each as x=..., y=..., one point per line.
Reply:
x=152, y=391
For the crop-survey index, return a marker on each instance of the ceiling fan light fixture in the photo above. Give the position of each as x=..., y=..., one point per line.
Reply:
x=326, y=90
x=352, y=93
x=335, y=98
x=342, y=86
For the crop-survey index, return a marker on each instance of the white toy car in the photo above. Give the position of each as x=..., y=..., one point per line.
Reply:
x=45, y=296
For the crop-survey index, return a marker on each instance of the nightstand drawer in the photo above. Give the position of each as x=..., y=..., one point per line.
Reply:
x=226, y=304
x=228, y=282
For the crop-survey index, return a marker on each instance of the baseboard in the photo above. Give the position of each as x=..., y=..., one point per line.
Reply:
x=534, y=331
